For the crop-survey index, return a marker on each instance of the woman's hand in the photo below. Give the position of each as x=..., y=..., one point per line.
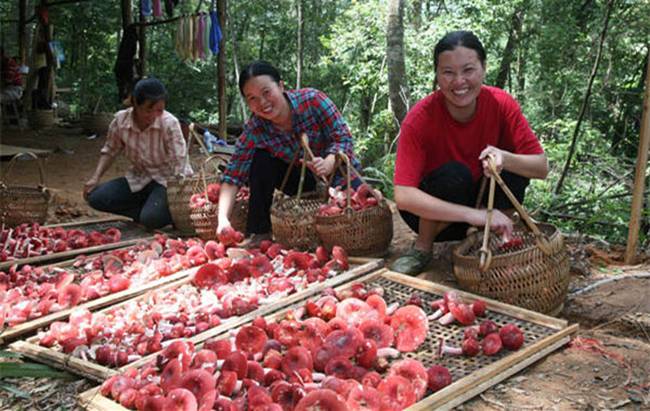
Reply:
x=500, y=223
x=322, y=167
x=223, y=224
x=90, y=186
x=496, y=154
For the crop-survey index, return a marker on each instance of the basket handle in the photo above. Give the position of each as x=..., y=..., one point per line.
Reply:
x=542, y=241
x=485, y=255
x=350, y=171
x=288, y=173
x=38, y=161
x=216, y=157
x=309, y=155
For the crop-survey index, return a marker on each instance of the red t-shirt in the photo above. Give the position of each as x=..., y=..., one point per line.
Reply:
x=430, y=137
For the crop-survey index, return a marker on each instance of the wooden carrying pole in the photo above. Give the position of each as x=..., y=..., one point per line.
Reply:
x=639, y=176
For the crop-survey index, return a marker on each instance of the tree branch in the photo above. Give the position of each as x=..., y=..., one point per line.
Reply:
x=585, y=101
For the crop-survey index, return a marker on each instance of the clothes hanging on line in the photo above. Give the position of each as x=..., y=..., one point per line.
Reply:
x=197, y=36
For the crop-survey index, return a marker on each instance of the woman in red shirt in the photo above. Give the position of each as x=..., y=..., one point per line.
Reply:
x=444, y=142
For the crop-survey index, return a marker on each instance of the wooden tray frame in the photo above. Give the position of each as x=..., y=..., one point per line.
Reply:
x=72, y=253
x=460, y=390
x=11, y=333
x=88, y=369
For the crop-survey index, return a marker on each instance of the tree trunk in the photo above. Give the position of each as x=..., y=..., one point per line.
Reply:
x=511, y=46
x=521, y=75
x=585, y=101
x=127, y=13
x=235, y=60
x=22, y=43
x=364, y=115
x=300, y=45
x=221, y=69
x=142, y=40
x=397, y=90
x=417, y=14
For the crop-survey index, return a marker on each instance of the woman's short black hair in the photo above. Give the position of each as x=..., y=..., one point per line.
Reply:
x=258, y=68
x=454, y=39
x=149, y=89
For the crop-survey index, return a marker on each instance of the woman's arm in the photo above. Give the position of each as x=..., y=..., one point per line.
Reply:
x=525, y=165
x=104, y=163
x=426, y=206
x=226, y=201
x=175, y=144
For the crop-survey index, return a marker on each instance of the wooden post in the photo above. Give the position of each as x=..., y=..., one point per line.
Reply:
x=221, y=69
x=639, y=176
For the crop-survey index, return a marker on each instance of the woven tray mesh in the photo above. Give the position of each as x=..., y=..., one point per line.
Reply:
x=129, y=229
x=459, y=366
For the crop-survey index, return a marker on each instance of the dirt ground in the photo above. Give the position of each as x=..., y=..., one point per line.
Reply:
x=607, y=366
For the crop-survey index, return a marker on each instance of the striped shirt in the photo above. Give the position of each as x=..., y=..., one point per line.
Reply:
x=313, y=113
x=157, y=153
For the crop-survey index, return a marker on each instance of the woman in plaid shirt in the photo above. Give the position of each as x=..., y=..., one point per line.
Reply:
x=270, y=140
x=152, y=140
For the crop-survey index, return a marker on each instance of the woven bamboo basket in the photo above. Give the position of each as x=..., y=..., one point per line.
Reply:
x=367, y=232
x=181, y=189
x=22, y=204
x=205, y=219
x=96, y=122
x=40, y=118
x=293, y=219
x=533, y=274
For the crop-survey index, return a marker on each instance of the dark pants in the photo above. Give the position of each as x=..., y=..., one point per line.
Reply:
x=266, y=174
x=452, y=182
x=147, y=206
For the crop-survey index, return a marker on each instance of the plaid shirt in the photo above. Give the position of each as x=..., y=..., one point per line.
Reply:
x=157, y=153
x=314, y=114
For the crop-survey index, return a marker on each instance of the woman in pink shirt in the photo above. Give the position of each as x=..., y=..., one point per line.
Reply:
x=152, y=140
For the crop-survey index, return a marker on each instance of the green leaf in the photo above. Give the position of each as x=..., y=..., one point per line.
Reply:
x=15, y=391
x=30, y=370
x=9, y=354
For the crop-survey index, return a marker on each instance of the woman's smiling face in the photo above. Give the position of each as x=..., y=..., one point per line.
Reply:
x=265, y=98
x=460, y=76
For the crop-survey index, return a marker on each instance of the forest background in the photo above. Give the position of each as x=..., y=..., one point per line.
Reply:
x=576, y=67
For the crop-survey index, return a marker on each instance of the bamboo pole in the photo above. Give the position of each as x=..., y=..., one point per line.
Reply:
x=639, y=176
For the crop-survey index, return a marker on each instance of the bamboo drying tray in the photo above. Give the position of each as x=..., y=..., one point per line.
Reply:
x=132, y=233
x=11, y=333
x=31, y=349
x=471, y=375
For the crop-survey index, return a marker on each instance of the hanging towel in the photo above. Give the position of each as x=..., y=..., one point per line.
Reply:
x=178, y=41
x=215, y=32
x=188, y=37
x=206, y=36
x=157, y=8
x=199, y=37
x=195, y=43
x=169, y=8
x=146, y=8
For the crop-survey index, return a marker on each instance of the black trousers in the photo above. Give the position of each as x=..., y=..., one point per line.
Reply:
x=266, y=174
x=452, y=182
